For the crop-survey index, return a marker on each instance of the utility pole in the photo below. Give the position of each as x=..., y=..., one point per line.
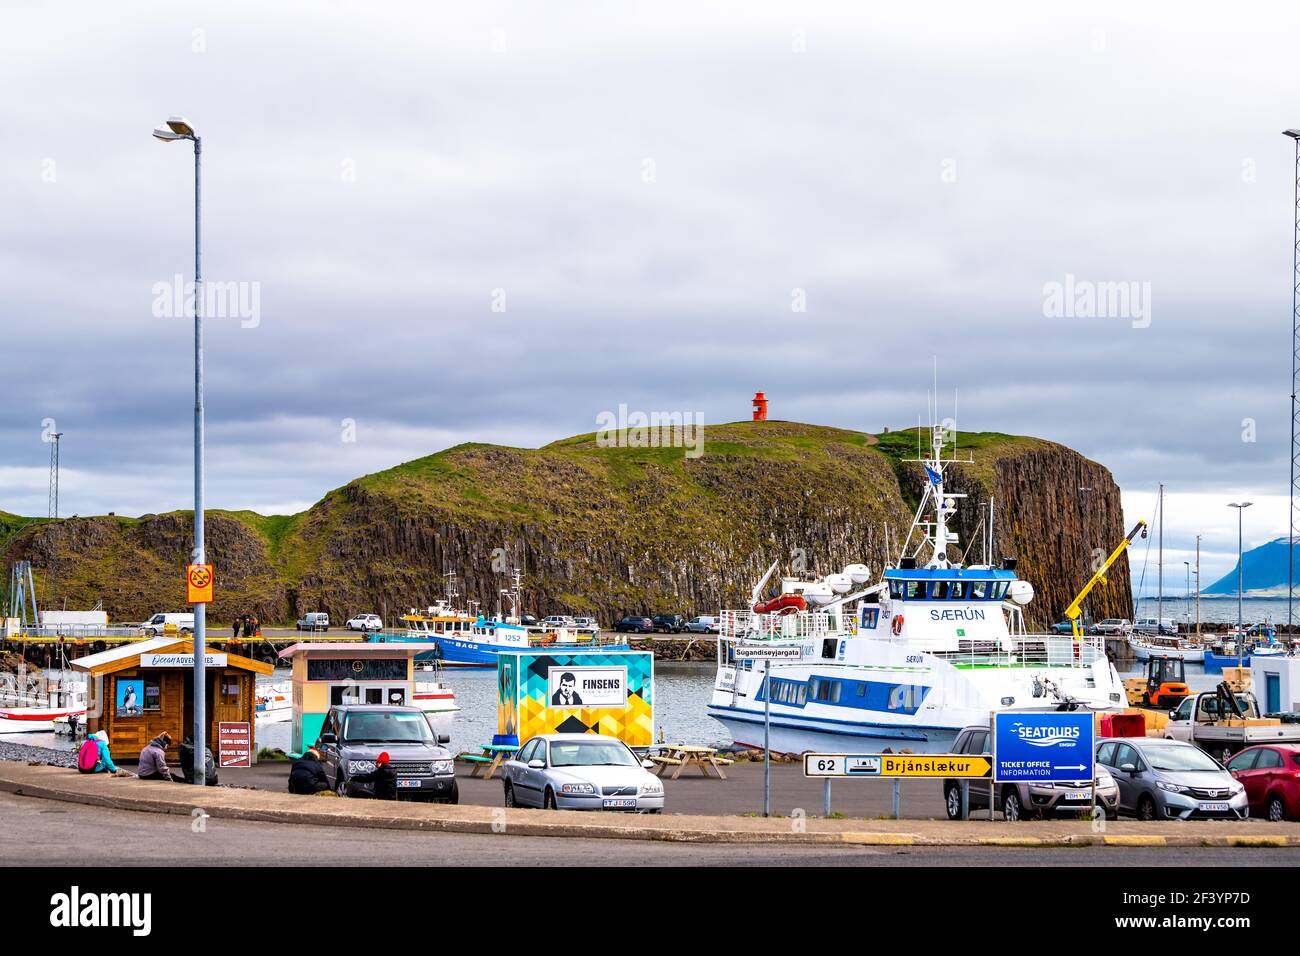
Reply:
x=1198, y=587
x=54, y=517
x=1294, y=134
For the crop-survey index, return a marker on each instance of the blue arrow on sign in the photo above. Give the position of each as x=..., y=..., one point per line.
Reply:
x=1052, y=747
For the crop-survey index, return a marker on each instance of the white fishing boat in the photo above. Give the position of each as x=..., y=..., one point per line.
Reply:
x=907, y=662
x=432, y=694
x=274, y=702
x=1146, y=646
x=34, y=710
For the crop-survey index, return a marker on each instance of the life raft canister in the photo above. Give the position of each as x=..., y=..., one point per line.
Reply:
x=897, y=624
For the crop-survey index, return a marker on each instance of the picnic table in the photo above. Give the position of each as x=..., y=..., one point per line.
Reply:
x=684, y=755
x=492, y=757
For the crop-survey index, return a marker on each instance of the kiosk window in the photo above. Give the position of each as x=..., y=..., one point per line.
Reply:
x=152, y=695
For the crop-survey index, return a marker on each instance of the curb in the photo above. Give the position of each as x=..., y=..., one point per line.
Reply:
x=222, y=803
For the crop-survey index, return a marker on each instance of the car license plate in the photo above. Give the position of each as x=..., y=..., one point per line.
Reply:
x=618, y=804
x=409, y=783
x=1078, y=795
x=1215, y=807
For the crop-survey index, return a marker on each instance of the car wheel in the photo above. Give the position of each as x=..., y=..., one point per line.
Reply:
x=510, y=795
x=1112, y=814
x=1276, y=810
x=548, y=800
x=340, y=785
x=1012, y=808
x=952, y=801
x=1146, y=808
x=454, y=796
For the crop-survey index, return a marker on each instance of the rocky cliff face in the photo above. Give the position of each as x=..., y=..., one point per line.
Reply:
x=601, y=530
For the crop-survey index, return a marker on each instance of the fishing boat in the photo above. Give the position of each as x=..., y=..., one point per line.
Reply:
x=1146, y=646
x=432, y=695
x=34, y=711
x=274, y=702
x=902, y=664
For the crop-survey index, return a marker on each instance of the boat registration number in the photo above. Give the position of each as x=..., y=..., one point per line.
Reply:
x=409, y=783
x=618, y=804
x=1214, y=807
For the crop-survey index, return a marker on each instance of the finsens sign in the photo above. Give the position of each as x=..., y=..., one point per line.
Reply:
x=587, y=686
x=75, y=909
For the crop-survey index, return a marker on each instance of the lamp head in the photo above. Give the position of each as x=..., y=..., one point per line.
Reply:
x=1293, y=133
x=176, y=127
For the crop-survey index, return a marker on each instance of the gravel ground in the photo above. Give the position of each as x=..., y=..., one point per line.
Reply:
x=29, y=754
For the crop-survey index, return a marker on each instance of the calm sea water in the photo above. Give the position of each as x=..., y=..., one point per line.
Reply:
x=1220, y=610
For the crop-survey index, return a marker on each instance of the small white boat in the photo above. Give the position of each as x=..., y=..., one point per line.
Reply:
x=1146, y=646
x=274, y=702
x=433, y=696
x=37, y=714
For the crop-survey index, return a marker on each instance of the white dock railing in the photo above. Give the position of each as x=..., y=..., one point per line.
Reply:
x=746, y=625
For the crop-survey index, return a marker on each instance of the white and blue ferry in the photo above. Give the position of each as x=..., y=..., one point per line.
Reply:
x=903, y=664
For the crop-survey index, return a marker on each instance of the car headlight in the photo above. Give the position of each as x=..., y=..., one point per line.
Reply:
x=1235, y=789
x=1171, y=787
x=577, y=788
x=652, y=786
x=442, y=766
x=361, y=766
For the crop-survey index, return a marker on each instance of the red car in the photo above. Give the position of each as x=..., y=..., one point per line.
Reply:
x=1271, y=776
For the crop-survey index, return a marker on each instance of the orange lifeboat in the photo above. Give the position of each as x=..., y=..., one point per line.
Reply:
x=785, y=604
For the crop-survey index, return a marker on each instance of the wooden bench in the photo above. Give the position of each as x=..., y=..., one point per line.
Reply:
x=663, y=762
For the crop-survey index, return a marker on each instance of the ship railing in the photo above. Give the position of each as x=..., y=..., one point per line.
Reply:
x=745, y=625
x=1031, y=650
x=80, y=631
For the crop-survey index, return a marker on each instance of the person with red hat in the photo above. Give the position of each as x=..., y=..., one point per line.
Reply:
x=383, y=780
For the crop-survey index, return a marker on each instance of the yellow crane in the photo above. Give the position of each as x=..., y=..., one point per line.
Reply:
x=1076, y=606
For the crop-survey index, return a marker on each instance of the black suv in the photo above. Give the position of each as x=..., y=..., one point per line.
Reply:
x=669, y=623
x=634, y=624
x=353, y=735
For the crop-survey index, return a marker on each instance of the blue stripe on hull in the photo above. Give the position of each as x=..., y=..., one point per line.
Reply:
x=746, y=727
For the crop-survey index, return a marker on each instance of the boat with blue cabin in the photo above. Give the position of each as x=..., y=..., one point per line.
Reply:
x=901, y=665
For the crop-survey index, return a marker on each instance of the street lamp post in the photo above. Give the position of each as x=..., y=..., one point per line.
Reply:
x=1241, y=634
x=179, y=128
x=1187, y=612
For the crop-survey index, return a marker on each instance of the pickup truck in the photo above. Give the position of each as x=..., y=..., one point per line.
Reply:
x=1221, y=722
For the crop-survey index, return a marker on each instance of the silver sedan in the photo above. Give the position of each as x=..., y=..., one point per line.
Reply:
x=581, y=772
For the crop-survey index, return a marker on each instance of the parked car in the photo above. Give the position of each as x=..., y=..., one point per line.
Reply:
x=1210, y=720
x=314, y=621
x=587, y=624
x=1020, y=800
x=1114, y=627
x=353, y=735
x=1171, y=780
x=581, y=772
x=634, y=624
x=669, y=623
x=1149, y=625
x=1271, y=776
x=702, y=625
x=528, y=620
x=156, y=625
x=559, y=620
x=1062, y=627
x=365, y=622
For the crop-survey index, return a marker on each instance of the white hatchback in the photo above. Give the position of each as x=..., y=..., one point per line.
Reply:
x=365, y=622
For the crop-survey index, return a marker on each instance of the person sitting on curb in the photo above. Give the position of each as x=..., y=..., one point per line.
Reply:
x=93, y=757
x=382, y=779
x=307, y=775
x=153, y=759
x=186, y=757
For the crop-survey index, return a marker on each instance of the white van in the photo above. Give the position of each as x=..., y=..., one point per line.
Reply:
x=159, y=623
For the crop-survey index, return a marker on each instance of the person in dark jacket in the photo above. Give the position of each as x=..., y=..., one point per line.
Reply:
x=383, y=780
x=186, y=756
x=307, y=775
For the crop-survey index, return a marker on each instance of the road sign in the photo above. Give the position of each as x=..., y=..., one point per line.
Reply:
x=1047, y=747
x=897, y=765
x=199, y=579
x=234, y=744
x=762, y=652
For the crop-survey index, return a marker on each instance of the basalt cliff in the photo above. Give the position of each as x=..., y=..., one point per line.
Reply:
x=600, y=530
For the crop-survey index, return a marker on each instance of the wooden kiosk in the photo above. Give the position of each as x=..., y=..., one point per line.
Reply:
x=137, y=691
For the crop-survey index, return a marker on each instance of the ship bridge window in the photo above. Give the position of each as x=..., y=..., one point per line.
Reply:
x=956, y=590
x=999, y=590
x=939, y=591
x=870, y=617
x=979, y=590
x=829, y=646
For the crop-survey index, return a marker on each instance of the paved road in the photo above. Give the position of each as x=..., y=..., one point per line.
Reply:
x=47, y=832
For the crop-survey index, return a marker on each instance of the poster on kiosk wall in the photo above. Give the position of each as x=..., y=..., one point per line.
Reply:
x=575, y=692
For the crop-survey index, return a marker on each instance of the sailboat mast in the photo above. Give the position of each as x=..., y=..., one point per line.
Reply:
x=1160, y=562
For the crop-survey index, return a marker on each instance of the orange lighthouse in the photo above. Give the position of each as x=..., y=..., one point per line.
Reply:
x=760, y=407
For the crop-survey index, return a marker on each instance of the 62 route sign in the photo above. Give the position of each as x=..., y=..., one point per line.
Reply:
x=1052, y=747
x=199, y=581
x=896, y=765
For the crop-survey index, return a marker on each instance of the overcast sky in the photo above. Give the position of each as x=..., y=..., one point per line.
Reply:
x=649, y=191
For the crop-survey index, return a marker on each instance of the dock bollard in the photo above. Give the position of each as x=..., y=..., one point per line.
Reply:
x=826, y=797
x=898, y=796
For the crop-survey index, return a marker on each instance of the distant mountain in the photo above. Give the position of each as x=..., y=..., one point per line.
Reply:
x=1263, y=569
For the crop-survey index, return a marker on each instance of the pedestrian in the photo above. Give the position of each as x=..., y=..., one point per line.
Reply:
x=383, y=780
x=153, y=759
x=248, y=628
x=94, y=756
x=186, y=756
x=235, y=629
x=307, y=775
x=255, y=627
